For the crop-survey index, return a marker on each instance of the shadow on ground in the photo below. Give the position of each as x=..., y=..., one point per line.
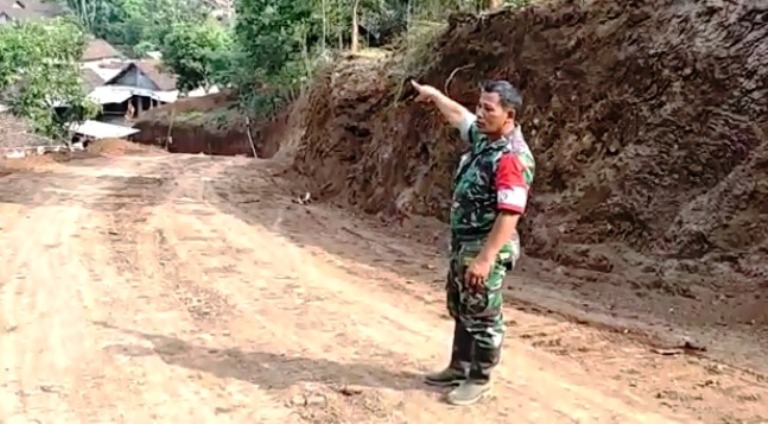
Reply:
x=269, y=370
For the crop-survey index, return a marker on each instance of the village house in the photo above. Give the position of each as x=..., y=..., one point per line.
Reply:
x=135, y=87
x=124, y=88
x=101, y=64
x=98, y=61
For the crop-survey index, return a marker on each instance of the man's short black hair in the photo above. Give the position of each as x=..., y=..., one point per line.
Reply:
x=509, y=96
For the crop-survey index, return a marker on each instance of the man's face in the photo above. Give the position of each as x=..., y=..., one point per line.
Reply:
x=492, y=117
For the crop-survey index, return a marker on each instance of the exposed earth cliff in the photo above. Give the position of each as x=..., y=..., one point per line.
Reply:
x=647, y=118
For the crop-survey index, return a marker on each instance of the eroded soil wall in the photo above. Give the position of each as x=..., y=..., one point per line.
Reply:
x=647, y=118
x=210, y=125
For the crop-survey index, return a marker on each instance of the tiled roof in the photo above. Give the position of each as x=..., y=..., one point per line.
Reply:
x=91, y=79
x=98, y=49
x=151, y=68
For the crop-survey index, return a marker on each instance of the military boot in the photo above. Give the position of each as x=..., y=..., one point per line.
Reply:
x=479, y=382
x=461, y=359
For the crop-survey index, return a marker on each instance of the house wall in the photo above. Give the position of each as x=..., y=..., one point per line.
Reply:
x=134, y=78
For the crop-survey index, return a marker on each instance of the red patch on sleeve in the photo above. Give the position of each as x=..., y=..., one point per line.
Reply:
x=511, y=189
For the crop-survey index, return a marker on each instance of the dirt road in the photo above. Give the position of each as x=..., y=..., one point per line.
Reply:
x=162, y=288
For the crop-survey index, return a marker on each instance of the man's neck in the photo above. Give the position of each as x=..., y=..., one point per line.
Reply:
x=505, y=132
x=495, y=137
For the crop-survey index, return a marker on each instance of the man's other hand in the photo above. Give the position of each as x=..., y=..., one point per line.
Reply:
x=477, y=273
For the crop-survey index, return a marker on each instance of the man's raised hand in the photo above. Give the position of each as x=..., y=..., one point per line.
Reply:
x=426, y=92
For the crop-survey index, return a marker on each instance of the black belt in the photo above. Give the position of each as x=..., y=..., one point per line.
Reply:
x=470, y=235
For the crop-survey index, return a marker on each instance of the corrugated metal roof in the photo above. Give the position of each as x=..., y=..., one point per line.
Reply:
x=106, y=74
x=120, y=93
x=99, y=130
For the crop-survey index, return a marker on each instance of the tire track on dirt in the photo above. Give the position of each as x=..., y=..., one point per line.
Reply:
x=40, y=347
x=49, y=356
x=190, y=311
x=141, y=248
x=271, y=348
x=289, y=289
x=418, y=350
x=62, y=361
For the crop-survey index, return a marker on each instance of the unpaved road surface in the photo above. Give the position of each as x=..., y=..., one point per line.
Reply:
x=170, y=289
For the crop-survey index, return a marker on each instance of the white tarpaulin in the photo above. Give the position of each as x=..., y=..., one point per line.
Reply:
x=120, y=93
x=99, y=130
x=105, y=95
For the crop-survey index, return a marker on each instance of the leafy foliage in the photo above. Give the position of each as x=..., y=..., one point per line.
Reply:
x=274, y=46
x=198, y=54
x=138, y=26
x=39, y=69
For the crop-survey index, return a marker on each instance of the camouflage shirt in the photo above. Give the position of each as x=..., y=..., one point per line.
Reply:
x=492, y=176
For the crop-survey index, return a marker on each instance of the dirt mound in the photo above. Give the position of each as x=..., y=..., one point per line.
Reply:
x=117, y=147
x=37, y=162
x=104, y=148
x=9, y=166
x=339, y=129
x=647, y=119
x=212, y=124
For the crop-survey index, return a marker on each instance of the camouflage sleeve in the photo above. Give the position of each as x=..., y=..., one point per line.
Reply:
x=511, y=188
x=468, y=128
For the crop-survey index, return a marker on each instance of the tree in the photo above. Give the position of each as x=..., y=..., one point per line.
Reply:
x=273, y=38
x=355, y=44
x=40, y=69
x=197, y=54
x=280, y=42
x=137, y=26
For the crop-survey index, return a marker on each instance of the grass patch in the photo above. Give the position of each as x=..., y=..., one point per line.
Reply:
x=416, y=53
x=219, y=119
x=418, y=47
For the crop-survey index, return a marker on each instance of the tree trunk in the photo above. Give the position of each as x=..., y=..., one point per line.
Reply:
x=493, y=4
x=355, y=32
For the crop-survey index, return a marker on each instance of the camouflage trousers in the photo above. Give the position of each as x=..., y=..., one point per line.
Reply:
x=479, y=323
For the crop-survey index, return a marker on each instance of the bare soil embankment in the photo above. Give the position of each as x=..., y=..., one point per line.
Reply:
x=648, y=122
x=212, y=125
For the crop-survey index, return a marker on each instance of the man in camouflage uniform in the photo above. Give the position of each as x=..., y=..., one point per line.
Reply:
x=490, y=193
